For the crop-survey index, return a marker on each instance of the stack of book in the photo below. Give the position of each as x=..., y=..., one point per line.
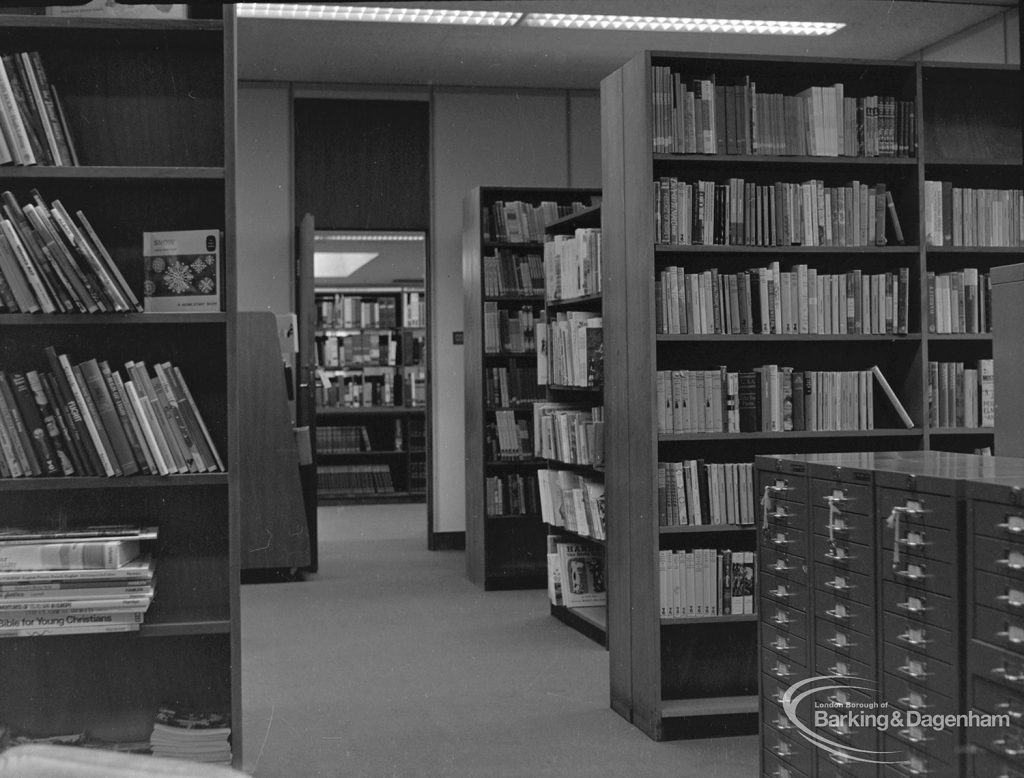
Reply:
x=186, y=734
x=355, y=479
x=575, y=574
x=513, y=274
x=86, y=419
x=706, y=582
x=72, y=582
x=33, y=128
x=50, y=263
x=342, y=440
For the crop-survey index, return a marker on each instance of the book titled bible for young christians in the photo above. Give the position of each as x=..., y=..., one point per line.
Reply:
x=182, y=271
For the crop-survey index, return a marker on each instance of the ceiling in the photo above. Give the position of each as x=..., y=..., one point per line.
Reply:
x=418, y=54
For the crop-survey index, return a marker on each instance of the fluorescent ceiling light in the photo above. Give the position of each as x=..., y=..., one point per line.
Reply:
x=678, y=24
x=353, y=13
x=340, y=264
x=365, y=237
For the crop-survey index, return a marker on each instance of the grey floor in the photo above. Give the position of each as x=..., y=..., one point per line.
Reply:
x=388, y=662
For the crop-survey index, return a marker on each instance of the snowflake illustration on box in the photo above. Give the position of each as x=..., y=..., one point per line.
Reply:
x=182, y=271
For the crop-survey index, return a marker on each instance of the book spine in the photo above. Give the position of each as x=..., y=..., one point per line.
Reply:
x=68, y=433
x=39, y=85
x=54, y=441
x=90, y=416
x=125, y=420
x=37, y=438
x=73, y=414
x=107, y=416
x=35, y=280
x=11, y=120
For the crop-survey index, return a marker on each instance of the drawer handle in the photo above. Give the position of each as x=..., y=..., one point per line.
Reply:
x=839, y=614
x=1013, y=524
x=1015, y=677
x=840, y=670
x=782, y=749
x=1012, y=634
x=781, y=671
x=766, y=503
x=839, y=759
x=1011, y=711
x=780, y=592
x=913, y=605
x=781, y=567
x=839, y=698
x=781, y=644
x=780, y=618
x=912, y=703
x=782, y=724
x=841, y=641
x=912, y=573
x=914, y=540
x=913, y=639
x=1003, y=747
x=782, y=540
x=782, y=772
x=915, y=767
x=838, y=554
x=1013, y=597
x=915, y=736
x=1014, y=560
x=914, y=670
x=780, y=513
x=839, y=584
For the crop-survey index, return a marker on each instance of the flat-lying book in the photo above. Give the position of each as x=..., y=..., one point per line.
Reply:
x=103, y=554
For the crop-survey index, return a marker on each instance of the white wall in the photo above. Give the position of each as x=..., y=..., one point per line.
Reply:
x=265, y=201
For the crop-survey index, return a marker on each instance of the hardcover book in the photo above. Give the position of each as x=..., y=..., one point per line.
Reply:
x=182, y=271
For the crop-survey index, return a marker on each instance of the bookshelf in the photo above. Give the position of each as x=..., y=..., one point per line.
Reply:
x=573, y=294
x=371, y=401
x=503, y=297
x=151, y=107
x=668, y=678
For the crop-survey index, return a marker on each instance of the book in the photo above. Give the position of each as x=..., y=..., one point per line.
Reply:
x=582, y=574
x=891, y=395
x=182, y=271
x=139, y=569
x=59, y=555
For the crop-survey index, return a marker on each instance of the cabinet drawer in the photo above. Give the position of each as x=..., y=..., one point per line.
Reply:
x=844, y=642
x=773, y=689
x=918, y=606
x=1005, y=630
x=918, y=542
x=781, y=591
x=843, y=555
x=792, y=751
x=983, y=764
x=844, y=526
x=784, y=567
x=782, y=668
x=929, y=509
x=774, y=718
x=776, y=768
x=925, y=576
x=836, y=766
x=910, y=695
x=1003, y=747
x=789, y=646
x=1001, y=557
x=783, y=514
x=843, y=583
x=928, y=741
x=994, y=664
x=781, y=486
x=861, y=737
x=829, y=662
x=915, y=763
x=830, y=610
x=848, y=498
x=923, y=639
x=996, y=699
x=785, y=619
x=912, y=666
x=998, y=592
x=1001, y=522
x=785, y=540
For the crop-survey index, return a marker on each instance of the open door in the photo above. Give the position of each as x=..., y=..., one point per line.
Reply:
x=305, y=395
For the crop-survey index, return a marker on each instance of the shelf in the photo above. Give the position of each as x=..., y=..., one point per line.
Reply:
x=702, y=529
x=520, y=407
x=359, y=368
x=514, y=298
x=509, y=354
x=591, y=621
x=134, y=319
x=678, y=437
x=112, y=174
x=67, y=483
x=803, y=338
x=585, y=301
x=383, y=410
x=588, y=217
x=742, y=617
x=663, y=249
x=949, y=431
x=768, y=160
x=1019, y=250
x=398, y=453
x=328, y=332
x=961, y=336
x=578, y=536
x=511, y=516
x=515, y=463
x=566, y=388
x=61, y=23
x=596, y=470
x=974, y=163
x=709, y=706
x=499, y=244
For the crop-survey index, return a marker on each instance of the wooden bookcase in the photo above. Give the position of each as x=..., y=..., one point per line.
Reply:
x=502, y=551
x=591, y=620
x=689, y=679
x=389, y=425
x=151, y=108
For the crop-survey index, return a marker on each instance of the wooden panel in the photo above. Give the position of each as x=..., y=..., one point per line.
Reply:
x=1008, y=323
x=473, y=348
x=362, y=164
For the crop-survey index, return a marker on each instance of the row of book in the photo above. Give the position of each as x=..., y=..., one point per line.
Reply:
x=507, y=386
x=88, y=419
x=961, y=396
x=770, y=398
x=33, y=127
x=509, y=331
x=367, y=387
x=568, y=433
x=414, y=310
x=744, y=213
x=573, y=502
x=962, y=216
x=576, y=575
x=959, y=301
x=694, y=492
x=701, y=116
x=571, y=349
x=354, y=310
x=514, y=221
x=572, y=264
x=414, y=386
x=706, y=582
x=769, y=300
x=354, y=479
x=508, y=438
x=361, y=348
x=508, y=273
x=342, y=440
x=95, y=579
x=513, y=494
x=51, y=263
x=198, y=736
